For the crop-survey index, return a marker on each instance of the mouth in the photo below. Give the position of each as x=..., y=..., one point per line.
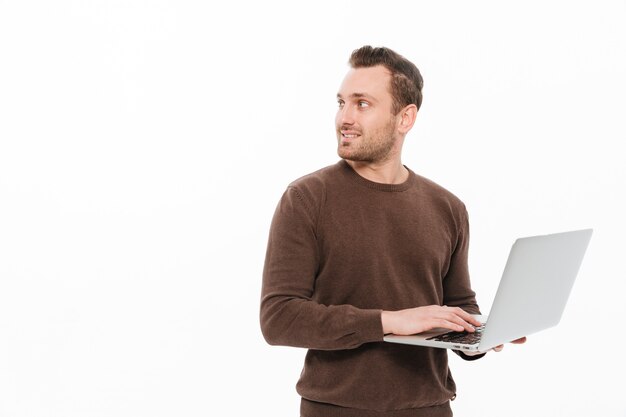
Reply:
x=349, y=134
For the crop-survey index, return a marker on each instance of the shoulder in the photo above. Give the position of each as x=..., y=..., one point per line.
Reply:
x=312, y=187
x=440, y=196
x=318, y=178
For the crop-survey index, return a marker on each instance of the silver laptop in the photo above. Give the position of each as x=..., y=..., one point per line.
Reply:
x=535, y=285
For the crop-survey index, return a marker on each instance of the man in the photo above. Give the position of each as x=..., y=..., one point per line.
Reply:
x=364, y=248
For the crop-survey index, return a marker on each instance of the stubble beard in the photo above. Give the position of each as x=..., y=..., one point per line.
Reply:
x=374, y=147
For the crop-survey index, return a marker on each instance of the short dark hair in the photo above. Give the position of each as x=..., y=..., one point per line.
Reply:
x=406, y=80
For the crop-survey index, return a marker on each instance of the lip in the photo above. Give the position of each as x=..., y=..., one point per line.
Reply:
x=348, y=134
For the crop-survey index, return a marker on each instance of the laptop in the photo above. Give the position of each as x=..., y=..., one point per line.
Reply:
x=534, y=288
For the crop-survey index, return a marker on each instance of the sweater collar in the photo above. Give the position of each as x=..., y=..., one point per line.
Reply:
x=350, y=172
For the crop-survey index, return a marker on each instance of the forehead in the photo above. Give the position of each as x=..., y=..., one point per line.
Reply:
x=372, y=81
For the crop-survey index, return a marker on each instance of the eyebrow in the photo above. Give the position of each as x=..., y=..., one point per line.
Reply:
x=358, y=95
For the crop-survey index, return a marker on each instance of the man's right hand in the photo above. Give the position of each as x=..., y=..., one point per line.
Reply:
x=421, y=319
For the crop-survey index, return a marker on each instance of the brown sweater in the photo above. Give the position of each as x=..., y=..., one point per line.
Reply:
x=342, y=249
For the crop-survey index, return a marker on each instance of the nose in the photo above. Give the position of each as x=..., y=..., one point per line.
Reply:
x=345, y=115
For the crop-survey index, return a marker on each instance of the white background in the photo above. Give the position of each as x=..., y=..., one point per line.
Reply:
x=144, y=146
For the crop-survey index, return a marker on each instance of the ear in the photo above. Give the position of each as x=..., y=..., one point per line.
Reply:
x=407, y=118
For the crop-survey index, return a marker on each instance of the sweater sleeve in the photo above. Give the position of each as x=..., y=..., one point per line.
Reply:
x=457, y=290
x=289, y=315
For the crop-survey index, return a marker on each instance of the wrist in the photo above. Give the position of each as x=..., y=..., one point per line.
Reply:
x=386, y=317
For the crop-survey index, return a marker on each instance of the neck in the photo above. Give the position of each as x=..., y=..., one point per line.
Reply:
x=386, y=172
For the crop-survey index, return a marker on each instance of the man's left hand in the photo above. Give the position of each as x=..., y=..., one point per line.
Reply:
x=499, y=347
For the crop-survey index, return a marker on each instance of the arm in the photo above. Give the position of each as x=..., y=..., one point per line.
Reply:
x=457, y=288
x=421, y=319
x=289, y=315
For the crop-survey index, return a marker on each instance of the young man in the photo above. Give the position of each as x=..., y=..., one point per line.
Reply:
x=367, y=247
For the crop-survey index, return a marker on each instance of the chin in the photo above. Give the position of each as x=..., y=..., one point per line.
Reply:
x=343, y=153
x=351, y=153
x=353, y=158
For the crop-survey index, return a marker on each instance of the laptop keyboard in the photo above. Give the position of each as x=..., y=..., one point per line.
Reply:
x=466, y=338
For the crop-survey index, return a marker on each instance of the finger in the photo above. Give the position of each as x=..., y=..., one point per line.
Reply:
x=519, y=341
x=498, y=348
x=466, y=319
x=466, y=316
x=446, y=324
x=458, y=320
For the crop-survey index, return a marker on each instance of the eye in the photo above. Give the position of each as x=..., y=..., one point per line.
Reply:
x=340, y=103
x=363, y=103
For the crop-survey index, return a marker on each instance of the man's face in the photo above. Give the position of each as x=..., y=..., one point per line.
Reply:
x=365, y=125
